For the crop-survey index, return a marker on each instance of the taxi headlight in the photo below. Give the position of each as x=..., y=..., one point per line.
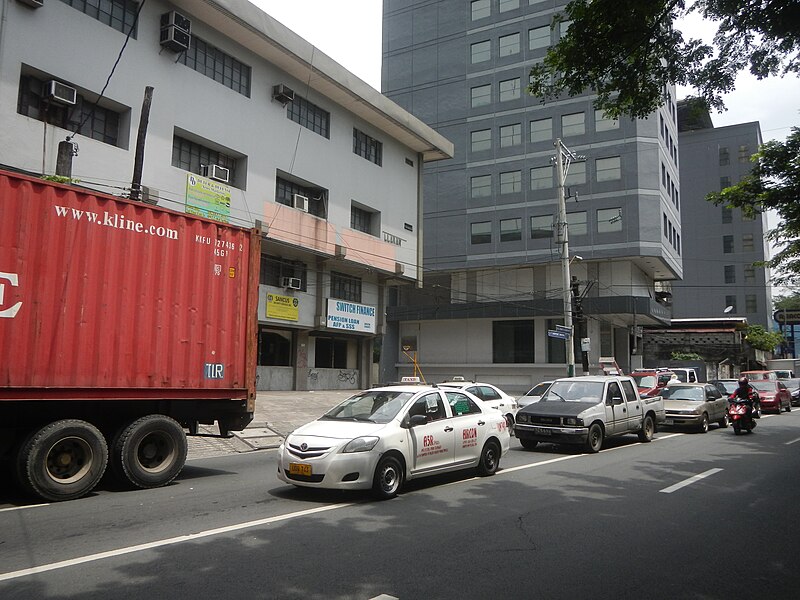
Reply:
x=361, y=444
x=573, y=422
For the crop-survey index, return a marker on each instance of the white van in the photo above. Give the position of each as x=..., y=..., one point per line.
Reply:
x=685, y=374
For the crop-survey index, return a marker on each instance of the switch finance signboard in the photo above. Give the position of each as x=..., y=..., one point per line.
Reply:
x=350, y=316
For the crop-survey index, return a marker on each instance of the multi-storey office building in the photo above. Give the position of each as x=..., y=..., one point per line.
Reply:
x=721, y=245
x=248, y=122
x=490, y=252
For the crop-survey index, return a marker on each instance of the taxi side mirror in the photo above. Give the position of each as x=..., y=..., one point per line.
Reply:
x=417, y=420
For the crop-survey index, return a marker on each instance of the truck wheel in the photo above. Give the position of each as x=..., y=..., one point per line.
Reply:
x=490, y=459
x=528, y=444
x=63, y=460
x=151, y=451
x=388, y=478
x=646, y=433
x=594, y=440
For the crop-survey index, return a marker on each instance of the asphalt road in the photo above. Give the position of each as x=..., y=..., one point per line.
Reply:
x=686, y=516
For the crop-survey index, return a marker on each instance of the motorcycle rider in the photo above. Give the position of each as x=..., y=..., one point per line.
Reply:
x=746, y=394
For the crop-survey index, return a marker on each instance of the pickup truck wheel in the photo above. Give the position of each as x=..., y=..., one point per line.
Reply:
x=704, y=424
x=646, y=433
x=151, y=451
x=528, y=444
x=594, y=441
x=63, y=460
x=490, y=459
x=388, y=478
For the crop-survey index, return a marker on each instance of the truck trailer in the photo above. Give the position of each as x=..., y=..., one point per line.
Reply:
x=123, y=327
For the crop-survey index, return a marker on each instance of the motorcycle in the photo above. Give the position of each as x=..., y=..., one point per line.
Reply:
x=740, y=414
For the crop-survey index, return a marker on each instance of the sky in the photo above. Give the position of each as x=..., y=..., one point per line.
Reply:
x=349, y=31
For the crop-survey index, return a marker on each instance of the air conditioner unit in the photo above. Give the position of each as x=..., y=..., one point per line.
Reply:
x=176, y=19
x=300, y=202
x=216, y=172
x=61, y=93
x=175, y=39
x=292, y=283
x=282, y=93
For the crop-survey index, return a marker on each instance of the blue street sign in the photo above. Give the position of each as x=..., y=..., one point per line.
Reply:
x=562, y=335
x=564, y=328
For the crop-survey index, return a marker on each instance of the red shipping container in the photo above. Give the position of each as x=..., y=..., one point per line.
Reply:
x=107, y=298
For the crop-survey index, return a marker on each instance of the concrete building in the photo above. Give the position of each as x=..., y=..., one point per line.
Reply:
x=720, y=244
x=248, y=122
x=493, y=281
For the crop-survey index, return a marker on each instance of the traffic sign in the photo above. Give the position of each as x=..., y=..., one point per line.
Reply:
x=787, y=316
x=562, y=335
x=564, y=328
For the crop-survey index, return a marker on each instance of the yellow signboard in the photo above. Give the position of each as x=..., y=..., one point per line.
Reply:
x=208, y=198
x=282, y=307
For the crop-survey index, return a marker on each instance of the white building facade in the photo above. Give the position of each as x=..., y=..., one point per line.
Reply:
x=248, y=123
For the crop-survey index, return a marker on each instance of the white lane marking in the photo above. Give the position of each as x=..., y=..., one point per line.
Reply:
x=23, y=507
x=792, y=442
x=666, y=437
x=166, y=542
x=690, y=481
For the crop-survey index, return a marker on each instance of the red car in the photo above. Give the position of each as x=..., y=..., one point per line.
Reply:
x=651, y=382
x=773, y=395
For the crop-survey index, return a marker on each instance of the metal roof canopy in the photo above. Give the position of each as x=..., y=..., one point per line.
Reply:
x=257, y=31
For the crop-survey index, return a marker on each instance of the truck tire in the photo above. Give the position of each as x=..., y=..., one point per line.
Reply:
x=63, y=460
x=151, y=451
x=648, y=427
x=594, y=441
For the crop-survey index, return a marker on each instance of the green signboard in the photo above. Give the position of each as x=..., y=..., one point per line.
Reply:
x=208, y=198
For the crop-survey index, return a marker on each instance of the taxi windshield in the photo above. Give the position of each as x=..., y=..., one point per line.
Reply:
x=370, y=406
x=574, y=391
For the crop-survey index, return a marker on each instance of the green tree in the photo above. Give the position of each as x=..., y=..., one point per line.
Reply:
x=787, y=302
x=685, y=356
x=773, y=184
x=761, y=339
x=627, y=52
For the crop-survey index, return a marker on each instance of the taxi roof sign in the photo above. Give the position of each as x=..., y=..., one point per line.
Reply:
x=409, y=379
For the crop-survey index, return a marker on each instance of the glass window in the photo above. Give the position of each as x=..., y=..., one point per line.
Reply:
x=724, y=157
x=481, y=140
x=512, y=341
x=317, y=197
x=749, y=274
x=727, y=244
x=461, y=404
x=481, y=95
x=572, y=124
x=192, y=156
x=542, y=178
x=481, y=186
x=509, y=89
x=609, y=220
x=119, y=14
x=330, y=353
x=605, y=123
x=510, y=230
x=744, y=154
x=748, y=216
x=345, y=287
x=577, y=224
x=481, y=51
x=542, y=130
x=727, y=214
x=730, y=273
x=511, y=182
x=556, y=348
x=309, y=115
x=608, y=169
x=361, y=220
x=480, y=9
x=539, y=37
x=576, y=174
x=505, y=5
x=750, y=303
x=730, y=301
x=510, y=135
x=541, y=226
x=747, y=242
x=481, y=233
x=274, y=269
x=216, y=64
x=724, y=182
x=509, y=44
x=563, y=26
x=367, y=147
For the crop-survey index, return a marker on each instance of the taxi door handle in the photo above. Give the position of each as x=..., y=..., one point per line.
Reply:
x=448, y=429
x=481, y=422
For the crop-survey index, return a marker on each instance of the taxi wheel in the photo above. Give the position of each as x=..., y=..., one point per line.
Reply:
x=490, y=459
x=388, y=478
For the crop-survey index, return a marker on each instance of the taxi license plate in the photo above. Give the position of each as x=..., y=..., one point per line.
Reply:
x=542, y=431
x=300, y=469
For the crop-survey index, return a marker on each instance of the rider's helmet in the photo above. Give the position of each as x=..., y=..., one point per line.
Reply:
x=743, y=382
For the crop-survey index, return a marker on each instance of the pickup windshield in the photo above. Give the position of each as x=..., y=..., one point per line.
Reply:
x=574, y=391
x=370, y=407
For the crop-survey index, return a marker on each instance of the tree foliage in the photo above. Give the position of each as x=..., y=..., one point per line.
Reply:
x=773, y=184
x=627, y=52
x=761, y=339
x=788, y=302
x=676, y=355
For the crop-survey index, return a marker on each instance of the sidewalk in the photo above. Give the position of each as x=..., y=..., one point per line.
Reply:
x=277, y=414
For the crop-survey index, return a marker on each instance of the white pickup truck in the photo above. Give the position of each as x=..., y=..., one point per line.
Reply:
x=587, y=410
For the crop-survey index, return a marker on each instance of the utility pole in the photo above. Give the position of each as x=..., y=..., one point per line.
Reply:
x=563, y=158
x=138, y=159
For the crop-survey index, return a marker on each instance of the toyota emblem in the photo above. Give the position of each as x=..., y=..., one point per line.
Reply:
x=303, y=446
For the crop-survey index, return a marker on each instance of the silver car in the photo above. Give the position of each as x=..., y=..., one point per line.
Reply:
x=534, y=394
x=694, y=405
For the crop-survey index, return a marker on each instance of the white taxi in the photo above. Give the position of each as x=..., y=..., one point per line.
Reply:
x=491, y=395
x=379, y=438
